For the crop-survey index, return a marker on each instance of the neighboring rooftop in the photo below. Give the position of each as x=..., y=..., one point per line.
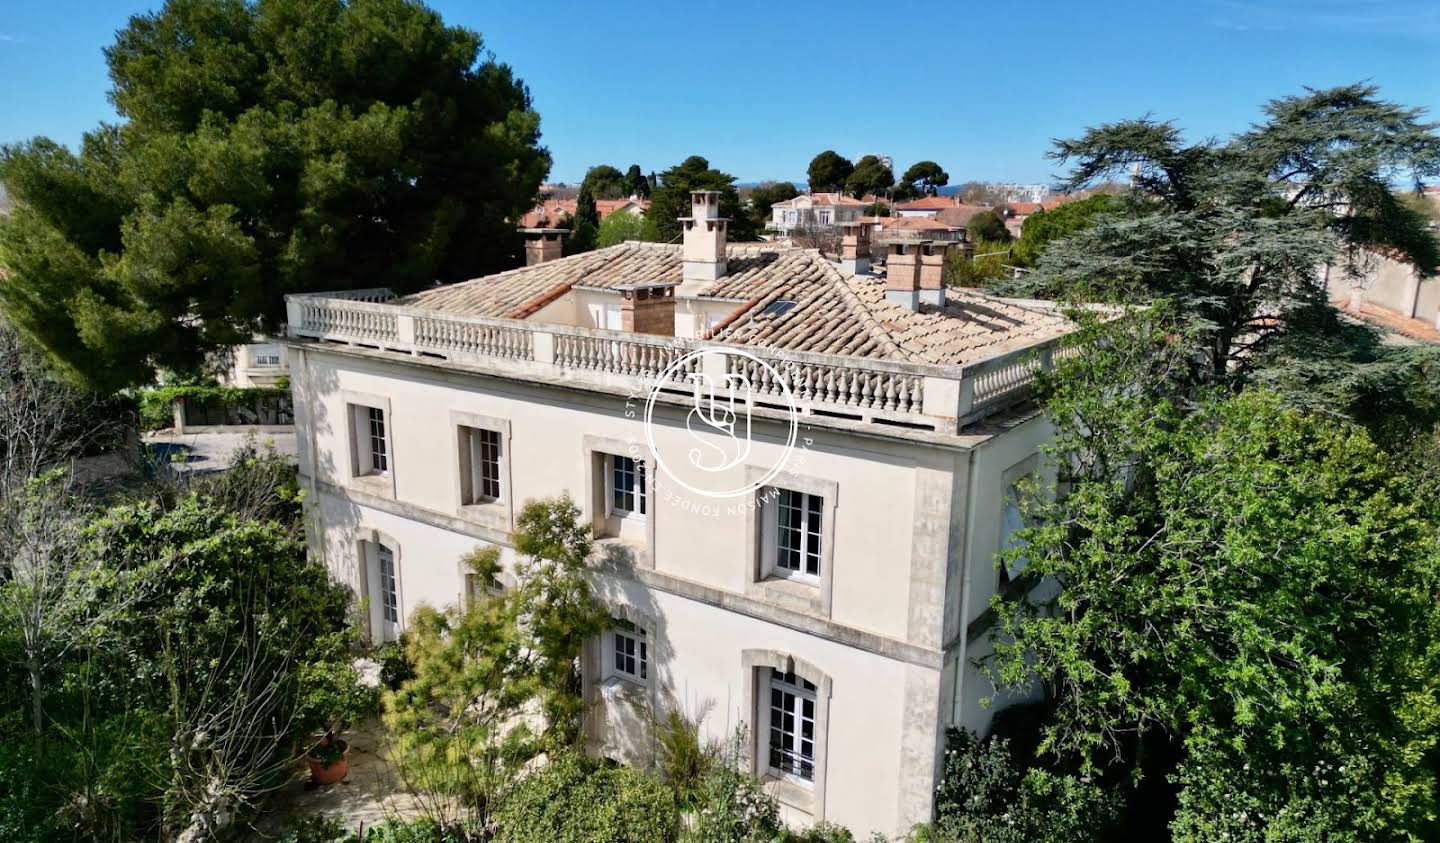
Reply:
x=551, y=212
x=834, y=313
x=928, y=203
x=820, y=200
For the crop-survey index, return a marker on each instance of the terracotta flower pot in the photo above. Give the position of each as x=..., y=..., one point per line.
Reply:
x=330, y=772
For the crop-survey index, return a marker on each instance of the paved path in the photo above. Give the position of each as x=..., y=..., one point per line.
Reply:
x=205, y=452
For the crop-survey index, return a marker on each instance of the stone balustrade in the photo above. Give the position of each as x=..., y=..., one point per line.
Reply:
x=822, y=386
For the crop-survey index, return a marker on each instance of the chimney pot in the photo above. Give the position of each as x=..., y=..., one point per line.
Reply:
x=704, y=246
x=855, y=248
x=902, y=274
x=932, y=273
x=648, y=309
x=543, y=244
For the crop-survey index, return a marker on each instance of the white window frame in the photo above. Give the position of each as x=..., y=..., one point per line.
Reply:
x=483, y=455
x=384, y=589
x=799, y=692
x=627, y=641
x=760, y=670
x=767, y=581
x=639, y=486
x=783, y=501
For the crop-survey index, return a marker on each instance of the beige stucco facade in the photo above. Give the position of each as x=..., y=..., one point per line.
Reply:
x=911, y=525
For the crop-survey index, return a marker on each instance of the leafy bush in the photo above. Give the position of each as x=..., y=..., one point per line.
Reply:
x=684, y=758
x=733, y=806
x=620, y=227
x=821, y=832
x=157, y=405
x=575, y=800
x=395, y=668
x=21, y=818
x=984, y=795
x=320, y=829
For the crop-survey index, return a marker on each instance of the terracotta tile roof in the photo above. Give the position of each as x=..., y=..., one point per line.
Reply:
x=1415, y=329
x=959, y=214
x=835, y=313
x=912, y=223
x=550, y=213
x=928, y=203
x=821, y=200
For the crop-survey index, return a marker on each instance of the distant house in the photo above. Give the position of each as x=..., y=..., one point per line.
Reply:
x=885, y=229
x=927, y=206
x=550, y=213
x=823, y=210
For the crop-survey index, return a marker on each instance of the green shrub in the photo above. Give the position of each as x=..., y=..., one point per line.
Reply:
x=157, y=405
x=395, y=668
x=684, y=758
x=321, y=829
x=400, y=831
x=575, y=800
x=985, y=795
x=21, y=819
x=821, y=832
x=733, y=806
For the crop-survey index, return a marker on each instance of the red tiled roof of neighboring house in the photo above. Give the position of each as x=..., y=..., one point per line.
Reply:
x=910, y=223
x=1415, y=329
x=821, y=199
x=928, y=203
x=959, y=215
x=549, y=213
x=834, y=312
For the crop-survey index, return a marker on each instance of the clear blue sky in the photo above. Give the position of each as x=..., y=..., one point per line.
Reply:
x=759, y=88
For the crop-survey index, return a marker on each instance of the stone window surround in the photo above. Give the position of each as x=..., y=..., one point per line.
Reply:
x=593, y=450
x=375, y=484
x=594, y=674
x=498, y=514
x=809, y=799
x=783, y=591
x=1028, y=466
x=504, y=576
x=366, y=536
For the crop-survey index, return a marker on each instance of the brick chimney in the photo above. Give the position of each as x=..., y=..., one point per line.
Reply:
x=648, y=309
x=855, y=248
x=932, y=273
x=902, y=274
x=542, y=244
x=704, y=251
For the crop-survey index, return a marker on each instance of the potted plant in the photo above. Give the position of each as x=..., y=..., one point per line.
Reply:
x=328, y=761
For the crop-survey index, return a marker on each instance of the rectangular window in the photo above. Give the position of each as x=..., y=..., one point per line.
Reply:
x=265, y=358
x=798, y=533
x=478, y=588
x=627, y=486
x=1012, y=521
x=389, y=602
x=481, y=455
x=792, y=726
x=379, y=452
x=630, y=652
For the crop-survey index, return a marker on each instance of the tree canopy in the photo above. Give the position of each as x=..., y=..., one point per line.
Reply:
x=829, y=171
x=1043, y=226
x=924, y=178
x=1247, y=614
x=987, y=226
x=871, y=176
x=671, y=201
x=585, y=224
x=1233, y=233
x=605, y=182
x=764, y=197
x=264, y=149
x=635, y=183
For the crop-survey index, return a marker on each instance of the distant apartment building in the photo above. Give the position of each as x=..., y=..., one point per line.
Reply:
x=815, y=210
x=800, y=474
x=1021, y=192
